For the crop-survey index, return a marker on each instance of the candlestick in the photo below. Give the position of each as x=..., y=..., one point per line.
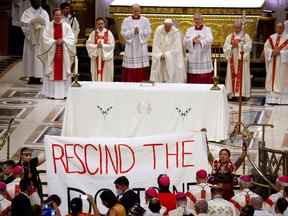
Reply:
x=215, y=67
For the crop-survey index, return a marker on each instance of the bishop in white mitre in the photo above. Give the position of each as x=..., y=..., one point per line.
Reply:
x=33, y=22
x=198, y=40
x=100, y=47
x=58, y=53
x=167, y=54
x=237, y=48
x=135, y=30
x=276, y=57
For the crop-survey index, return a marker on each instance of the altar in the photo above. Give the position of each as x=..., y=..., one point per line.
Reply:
x=139, y=109
x=219, y=15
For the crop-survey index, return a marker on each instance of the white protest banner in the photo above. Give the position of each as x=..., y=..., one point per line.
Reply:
x=88, y=165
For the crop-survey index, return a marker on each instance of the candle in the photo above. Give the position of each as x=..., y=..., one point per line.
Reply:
x=215, y=67
x=76, y=65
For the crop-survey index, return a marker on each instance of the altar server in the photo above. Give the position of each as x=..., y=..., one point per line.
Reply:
x=135, y=30
x=100, y=47
x=58, y=52
x=167, y=55
x=276, y=57
x=236, y=43
x=70, y=19
x=33, y=22
x=198, y=40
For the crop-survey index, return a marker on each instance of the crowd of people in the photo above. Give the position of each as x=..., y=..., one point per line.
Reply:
x=177, y=57
x=212, y=194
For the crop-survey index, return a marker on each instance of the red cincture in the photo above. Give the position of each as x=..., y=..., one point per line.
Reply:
x=100, y=62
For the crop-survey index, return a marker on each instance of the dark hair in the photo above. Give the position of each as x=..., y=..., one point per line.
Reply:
x=25, y=149
x=154, y=205
x=9, y=163
x=64, y=5
x=54, y=198
x=217, y=190
x=122, y=180
x=100, y=18
x=108, y=198
x=227, y=150
x=55, y=10
x=24, y=184
x=247, y=210
x=76, y=205
x=281, y=205
x=286, y=191
x=162, y=188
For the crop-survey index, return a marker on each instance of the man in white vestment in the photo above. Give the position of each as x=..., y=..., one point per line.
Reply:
x=200, y=191
x=167, y=54
x=218, y=205
x=244, y=196
x=198, y=40
x=276, y=57
x=257, y=203
x=100, y=47
x=33, y=22
x=58, y=52
x=135, y=30
x=70, y=19
x=236, y=44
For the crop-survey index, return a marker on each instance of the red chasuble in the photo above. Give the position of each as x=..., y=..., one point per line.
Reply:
x=58, y=59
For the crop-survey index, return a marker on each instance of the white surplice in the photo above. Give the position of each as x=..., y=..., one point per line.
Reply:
x=169, y=44
x=73, y=22
x=57, y=88
x=32, y=43
x=199, y=57
x=281, y=65
x=106, y=54
x=229, y=53
x=136, y=47
x=220, y=206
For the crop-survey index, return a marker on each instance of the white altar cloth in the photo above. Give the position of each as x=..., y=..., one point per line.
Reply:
x=140, y=109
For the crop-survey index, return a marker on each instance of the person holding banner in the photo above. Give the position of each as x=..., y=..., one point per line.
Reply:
x=57, y=53
x=276, y=57
x=235, y=43
x=223, y=170
x=100, y=47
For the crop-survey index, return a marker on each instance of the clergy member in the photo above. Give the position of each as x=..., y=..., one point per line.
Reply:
x=58, y=51
x=70, y=19
x=135, y=30
x=236, y=43
x=198, y=41
x=167, y=54
x=33, y=22
x=276, y=57
x=100, y=47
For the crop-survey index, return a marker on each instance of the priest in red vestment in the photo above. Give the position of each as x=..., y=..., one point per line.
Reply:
x=58, y=50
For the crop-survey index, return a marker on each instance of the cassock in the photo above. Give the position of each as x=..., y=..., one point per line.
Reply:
x=234, y=66
x=73, y=22
x=57, y=59
x=199, y=58
x=276, y=67
x=172, y=68
x=135, y=60
x=32, y=44
x=102, y=66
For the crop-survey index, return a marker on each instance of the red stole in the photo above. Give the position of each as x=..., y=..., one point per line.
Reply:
x=99, y=61
x=58, y=59
x=285, y=43
x=235, y=74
